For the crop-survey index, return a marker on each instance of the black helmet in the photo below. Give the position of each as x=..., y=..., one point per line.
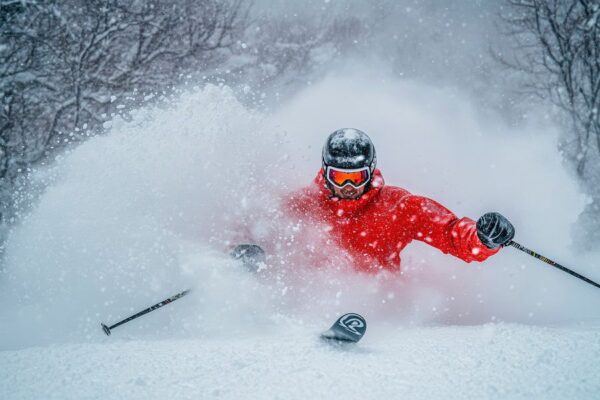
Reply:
x=349, y=148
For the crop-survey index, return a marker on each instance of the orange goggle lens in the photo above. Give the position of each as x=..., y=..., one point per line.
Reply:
x=340, y=177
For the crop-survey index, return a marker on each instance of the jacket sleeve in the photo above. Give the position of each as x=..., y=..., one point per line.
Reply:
x=434, y=224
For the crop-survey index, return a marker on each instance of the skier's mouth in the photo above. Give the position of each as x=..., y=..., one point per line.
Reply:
x=349, y=192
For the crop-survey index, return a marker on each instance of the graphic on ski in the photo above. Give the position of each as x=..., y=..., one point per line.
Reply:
x=349, y=327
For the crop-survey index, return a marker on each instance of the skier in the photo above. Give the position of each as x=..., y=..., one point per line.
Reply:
x=374, y=222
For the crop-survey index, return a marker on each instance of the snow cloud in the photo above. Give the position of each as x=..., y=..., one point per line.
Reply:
x=151, y=208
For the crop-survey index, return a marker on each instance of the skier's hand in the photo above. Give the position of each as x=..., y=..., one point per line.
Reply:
x=494, y=230
x=251, y=255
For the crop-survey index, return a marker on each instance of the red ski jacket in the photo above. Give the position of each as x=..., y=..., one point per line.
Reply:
x=376, y=227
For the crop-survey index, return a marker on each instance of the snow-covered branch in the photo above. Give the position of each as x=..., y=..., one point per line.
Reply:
x=69, y=66
x=558, y=46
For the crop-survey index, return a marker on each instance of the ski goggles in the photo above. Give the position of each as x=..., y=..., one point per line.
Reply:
x=341, y=177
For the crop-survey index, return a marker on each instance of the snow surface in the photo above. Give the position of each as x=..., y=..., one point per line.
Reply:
x=492, y=361
x=132, y=217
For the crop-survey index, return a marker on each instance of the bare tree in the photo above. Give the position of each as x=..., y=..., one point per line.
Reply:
x=67, y=67
x=558, y=45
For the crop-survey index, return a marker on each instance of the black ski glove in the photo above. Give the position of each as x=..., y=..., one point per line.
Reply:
x=494, y=230
x=251, y=255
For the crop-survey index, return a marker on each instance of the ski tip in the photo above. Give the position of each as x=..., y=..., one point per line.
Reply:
x=349, y=328
x=106, y=329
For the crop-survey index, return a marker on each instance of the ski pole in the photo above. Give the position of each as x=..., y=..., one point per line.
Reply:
x=550, y=262
x=171, y=299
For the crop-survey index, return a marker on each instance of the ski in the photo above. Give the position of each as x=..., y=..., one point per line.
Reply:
x=349, y=328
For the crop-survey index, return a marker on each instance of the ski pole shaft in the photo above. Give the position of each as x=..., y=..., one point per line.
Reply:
x=552, y=263
x=171, y=299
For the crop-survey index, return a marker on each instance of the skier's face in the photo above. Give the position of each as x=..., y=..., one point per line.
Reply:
x=347, y=184
x=348, y=192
